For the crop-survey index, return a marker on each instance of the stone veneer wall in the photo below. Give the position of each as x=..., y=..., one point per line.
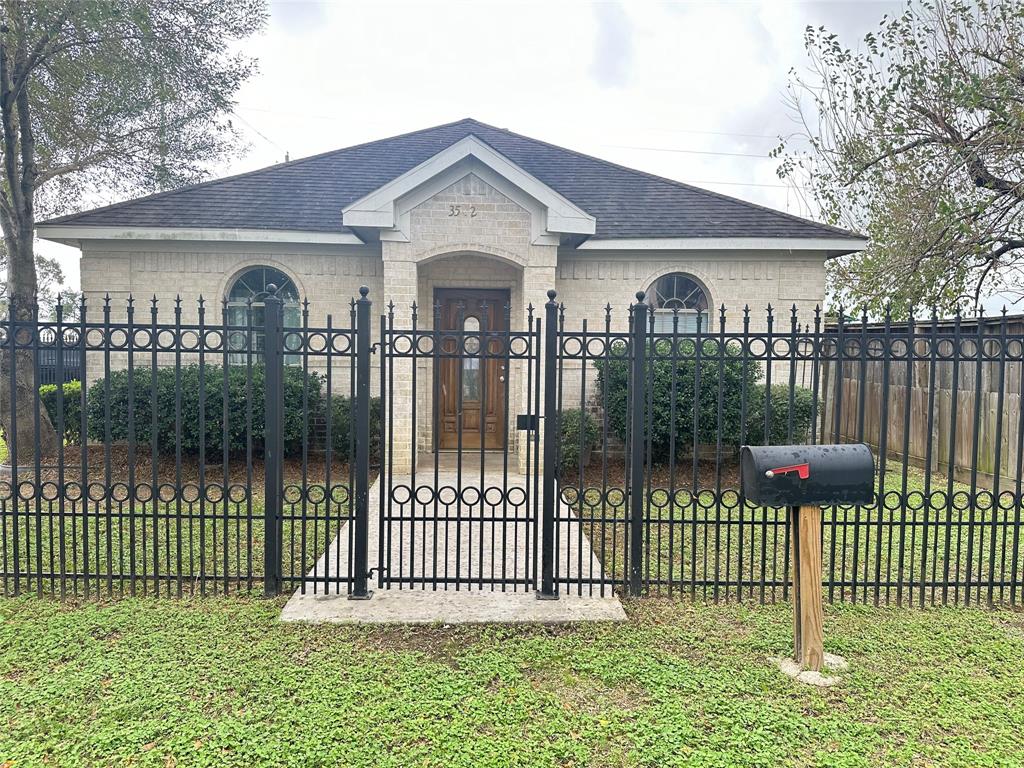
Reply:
x=493, y=249
x=587, y=280
x=328, y=276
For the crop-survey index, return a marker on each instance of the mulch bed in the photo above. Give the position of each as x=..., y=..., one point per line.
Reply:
x=660, y=476
x=116, y=461
x=168, y=471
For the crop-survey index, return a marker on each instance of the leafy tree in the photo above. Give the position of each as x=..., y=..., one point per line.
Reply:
x=917, y=139
x=121, y=95
x=49, y=290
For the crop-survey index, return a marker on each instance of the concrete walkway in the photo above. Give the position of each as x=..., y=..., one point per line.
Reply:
x=411, y=546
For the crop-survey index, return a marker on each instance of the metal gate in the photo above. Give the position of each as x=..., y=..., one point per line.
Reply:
x=458, y=501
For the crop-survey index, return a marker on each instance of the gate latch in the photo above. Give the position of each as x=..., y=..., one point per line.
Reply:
x=527, y=421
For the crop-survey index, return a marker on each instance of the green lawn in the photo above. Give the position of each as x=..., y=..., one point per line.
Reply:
x=219, y=682
x=975, y=552
x=901, y=547
x=207, y=550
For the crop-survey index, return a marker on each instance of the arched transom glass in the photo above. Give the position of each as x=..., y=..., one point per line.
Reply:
x=679, y=295
x=245, y=300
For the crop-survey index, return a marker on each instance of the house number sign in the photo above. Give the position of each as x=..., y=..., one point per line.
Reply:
x=458, y=210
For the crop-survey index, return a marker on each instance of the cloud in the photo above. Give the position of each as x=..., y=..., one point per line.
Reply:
x=613, y=48
x=851, y=21
x=297, y=16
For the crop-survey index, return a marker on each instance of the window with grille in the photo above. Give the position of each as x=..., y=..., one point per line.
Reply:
x=679, y=295
x=246, y=309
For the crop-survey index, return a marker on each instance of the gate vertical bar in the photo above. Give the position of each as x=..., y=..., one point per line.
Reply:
x=360, y=571
x=273, y=442
x=637, y=401
x=547, y=533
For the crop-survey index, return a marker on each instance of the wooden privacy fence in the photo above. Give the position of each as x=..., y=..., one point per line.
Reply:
x=964, y=413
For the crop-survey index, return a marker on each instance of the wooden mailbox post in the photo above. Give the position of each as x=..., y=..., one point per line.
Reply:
x=808, y=614
x=804, y=478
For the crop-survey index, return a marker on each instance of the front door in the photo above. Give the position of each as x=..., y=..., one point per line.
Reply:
x=472, y=379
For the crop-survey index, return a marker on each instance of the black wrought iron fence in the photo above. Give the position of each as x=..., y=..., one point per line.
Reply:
x=190, y=458
x=202, y=455
x=683, y=403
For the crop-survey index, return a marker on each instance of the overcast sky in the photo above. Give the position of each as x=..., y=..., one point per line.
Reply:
x=689, y=90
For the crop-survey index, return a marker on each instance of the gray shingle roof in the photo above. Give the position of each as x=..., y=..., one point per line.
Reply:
x=309, y=194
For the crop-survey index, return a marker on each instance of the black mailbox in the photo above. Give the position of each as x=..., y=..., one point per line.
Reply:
x=811, y=475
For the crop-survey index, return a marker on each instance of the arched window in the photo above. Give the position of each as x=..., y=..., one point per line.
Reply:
x=679, y=294
x=245, y=305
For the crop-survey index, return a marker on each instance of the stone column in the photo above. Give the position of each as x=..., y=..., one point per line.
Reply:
x=538, y=279
x=399, y=287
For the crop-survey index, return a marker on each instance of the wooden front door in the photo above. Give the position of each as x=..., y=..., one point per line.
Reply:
x=472, y=384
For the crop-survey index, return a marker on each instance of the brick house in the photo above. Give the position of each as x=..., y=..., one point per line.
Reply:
x=462, y=213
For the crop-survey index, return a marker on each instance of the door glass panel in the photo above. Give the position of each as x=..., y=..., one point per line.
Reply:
x=471, y=365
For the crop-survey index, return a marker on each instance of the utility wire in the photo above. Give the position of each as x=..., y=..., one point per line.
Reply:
x=689, y=151
x=617, y=146
x=774, y=137
x=255, y=130
x=311, y=116
x=744, y=184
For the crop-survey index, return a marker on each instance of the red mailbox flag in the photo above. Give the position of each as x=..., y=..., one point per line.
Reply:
x=803, y=471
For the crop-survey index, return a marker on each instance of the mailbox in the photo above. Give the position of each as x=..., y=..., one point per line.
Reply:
x=808, y=475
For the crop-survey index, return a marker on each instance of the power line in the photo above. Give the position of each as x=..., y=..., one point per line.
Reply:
x=307, y=115
x=745, y=184
x=619, y=146
x=290, y=113
x=718, y=133
x=689, y=151
x=255, y=130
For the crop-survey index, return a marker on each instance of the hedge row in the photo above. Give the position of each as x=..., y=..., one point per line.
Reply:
x=671, y=402
x=743, y=406
x=178, y=409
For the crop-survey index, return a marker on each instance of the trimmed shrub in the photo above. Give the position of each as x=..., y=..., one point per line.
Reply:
x=575, y=424
x=341, y=427
x=732, y=375
x=243, y=404
x=778, y=432
x=72, y=408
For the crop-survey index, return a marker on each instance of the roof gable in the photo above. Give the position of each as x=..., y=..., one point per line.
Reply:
x=311, y=194
x=379, y=208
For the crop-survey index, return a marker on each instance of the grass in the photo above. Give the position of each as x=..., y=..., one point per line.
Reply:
x=710, y=551
x=956, y=551
x=219, y=682
x=192, y=549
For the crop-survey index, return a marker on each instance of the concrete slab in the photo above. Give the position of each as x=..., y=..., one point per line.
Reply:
x=475, y=546
x=405, y=606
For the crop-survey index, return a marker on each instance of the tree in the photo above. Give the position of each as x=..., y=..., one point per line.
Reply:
x=122, y=95
x=917, y=140
x=49, y=291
